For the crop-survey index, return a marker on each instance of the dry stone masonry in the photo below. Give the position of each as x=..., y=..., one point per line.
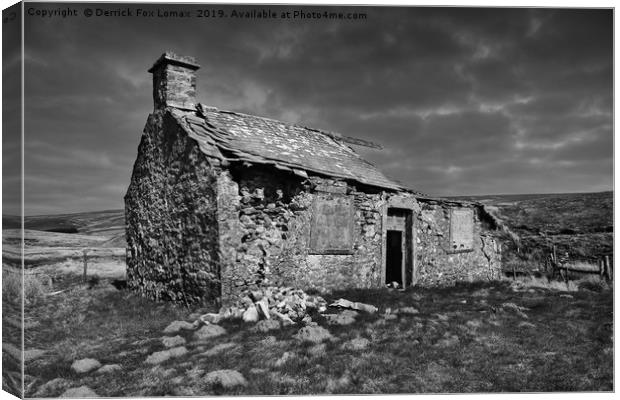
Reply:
x=242, y=209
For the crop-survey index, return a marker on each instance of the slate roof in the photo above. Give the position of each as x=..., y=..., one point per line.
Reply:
x=240, y=137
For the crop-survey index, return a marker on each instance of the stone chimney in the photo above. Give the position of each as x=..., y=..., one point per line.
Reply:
x=174, y=81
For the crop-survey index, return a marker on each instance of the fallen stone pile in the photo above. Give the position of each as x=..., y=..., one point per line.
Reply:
x=284, y=304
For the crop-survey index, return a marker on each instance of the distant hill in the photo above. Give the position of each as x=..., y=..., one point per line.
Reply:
x=553, y=214
x=578, y=224
x=108, y=223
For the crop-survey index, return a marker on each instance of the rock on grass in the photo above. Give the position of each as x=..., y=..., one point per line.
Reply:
x=227, y=378
x=109, y=368
x=173, y=341
x=314, y=334
x=408, y=310
x=85, y=365
x=178, y=326
x=48, y=389
x=82, y=392
x=209, y=331
x=160, y=356
x=317, y=350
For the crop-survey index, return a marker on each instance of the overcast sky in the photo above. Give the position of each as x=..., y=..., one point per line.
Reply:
x=464, y=101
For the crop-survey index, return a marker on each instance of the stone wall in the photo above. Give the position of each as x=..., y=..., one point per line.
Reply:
x=170, y=210
x=438, y=264
x=275, y=214
x=268, y=219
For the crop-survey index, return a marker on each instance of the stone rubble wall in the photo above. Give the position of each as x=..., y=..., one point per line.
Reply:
x=170, y=209
x=269, y=215
x=275, y=219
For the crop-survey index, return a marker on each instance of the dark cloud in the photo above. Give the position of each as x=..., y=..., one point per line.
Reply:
x=464, y=100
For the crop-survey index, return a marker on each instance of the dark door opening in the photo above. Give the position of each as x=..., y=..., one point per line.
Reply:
x=394, y=258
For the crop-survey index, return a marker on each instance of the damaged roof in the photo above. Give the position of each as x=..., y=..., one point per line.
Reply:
x=234, y=136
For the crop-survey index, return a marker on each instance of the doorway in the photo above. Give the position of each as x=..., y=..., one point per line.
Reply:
x=399, y=249
x=394, y=258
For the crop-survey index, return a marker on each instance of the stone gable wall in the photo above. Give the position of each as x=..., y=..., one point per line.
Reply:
x=170, y=215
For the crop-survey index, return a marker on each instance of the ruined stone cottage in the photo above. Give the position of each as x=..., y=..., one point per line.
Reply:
x=221, y=202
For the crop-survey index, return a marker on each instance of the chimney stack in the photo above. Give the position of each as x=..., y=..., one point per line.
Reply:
x=174, y=81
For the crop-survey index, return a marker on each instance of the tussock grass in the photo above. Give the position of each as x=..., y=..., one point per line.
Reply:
x=464, y=339
x=591, y=282
x=32, y=288
x=594, y=283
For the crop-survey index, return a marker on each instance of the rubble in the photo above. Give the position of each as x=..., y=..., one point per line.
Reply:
x=251, y=314
x=274, y=307
x=211, y=318
x=354, y=306
x=284, y=304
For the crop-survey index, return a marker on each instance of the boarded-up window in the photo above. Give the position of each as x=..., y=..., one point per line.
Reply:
x=332, y=226
x=461, y=229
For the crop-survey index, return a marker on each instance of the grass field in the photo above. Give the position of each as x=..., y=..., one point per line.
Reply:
x=492, y=337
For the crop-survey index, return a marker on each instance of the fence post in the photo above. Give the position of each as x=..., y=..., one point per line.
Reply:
x=609, y=268
x=85, y=265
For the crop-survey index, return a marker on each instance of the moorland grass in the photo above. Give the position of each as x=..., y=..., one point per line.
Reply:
x=464, y=339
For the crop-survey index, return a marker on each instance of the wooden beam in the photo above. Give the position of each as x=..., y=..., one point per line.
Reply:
x=361, y=142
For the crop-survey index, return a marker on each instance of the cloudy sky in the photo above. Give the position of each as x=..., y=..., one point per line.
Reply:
x=464, y=101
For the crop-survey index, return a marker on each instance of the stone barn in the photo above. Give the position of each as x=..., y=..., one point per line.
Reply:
x=221, y=202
